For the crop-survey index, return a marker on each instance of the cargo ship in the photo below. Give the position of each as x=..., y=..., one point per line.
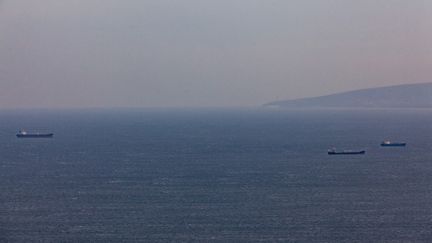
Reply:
x=24, y=134
x=334, y=152
x=392, y=144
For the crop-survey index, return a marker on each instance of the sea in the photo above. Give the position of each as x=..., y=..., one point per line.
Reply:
x=215, y=175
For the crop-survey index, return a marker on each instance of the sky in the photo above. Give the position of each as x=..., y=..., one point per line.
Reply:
x=199, y=53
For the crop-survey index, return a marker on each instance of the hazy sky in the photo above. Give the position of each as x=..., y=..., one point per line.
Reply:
x=152, y=53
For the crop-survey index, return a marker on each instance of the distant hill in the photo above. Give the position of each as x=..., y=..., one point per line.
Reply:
x=400, y=96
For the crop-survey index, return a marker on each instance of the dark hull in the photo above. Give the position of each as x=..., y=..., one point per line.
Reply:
x=393, y=145
x=346, y=152
x=47, y=135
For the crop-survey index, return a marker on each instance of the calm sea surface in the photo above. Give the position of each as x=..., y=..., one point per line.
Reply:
x=215, y=175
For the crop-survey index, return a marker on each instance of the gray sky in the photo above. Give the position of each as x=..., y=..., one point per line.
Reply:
x=153, y=53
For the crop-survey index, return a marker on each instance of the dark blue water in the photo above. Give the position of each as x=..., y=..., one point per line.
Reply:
x=215, y=175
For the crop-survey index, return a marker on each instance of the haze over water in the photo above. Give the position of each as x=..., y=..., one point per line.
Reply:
x=189, y=53
x=215, y=175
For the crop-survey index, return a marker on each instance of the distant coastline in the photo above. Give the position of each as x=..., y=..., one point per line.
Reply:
x=399, y=96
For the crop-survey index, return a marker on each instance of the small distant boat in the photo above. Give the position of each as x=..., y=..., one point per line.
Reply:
x=334, y=152
x=392, y=144
x=24, y=134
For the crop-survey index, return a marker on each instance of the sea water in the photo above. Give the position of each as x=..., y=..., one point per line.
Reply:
x=239, y=175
